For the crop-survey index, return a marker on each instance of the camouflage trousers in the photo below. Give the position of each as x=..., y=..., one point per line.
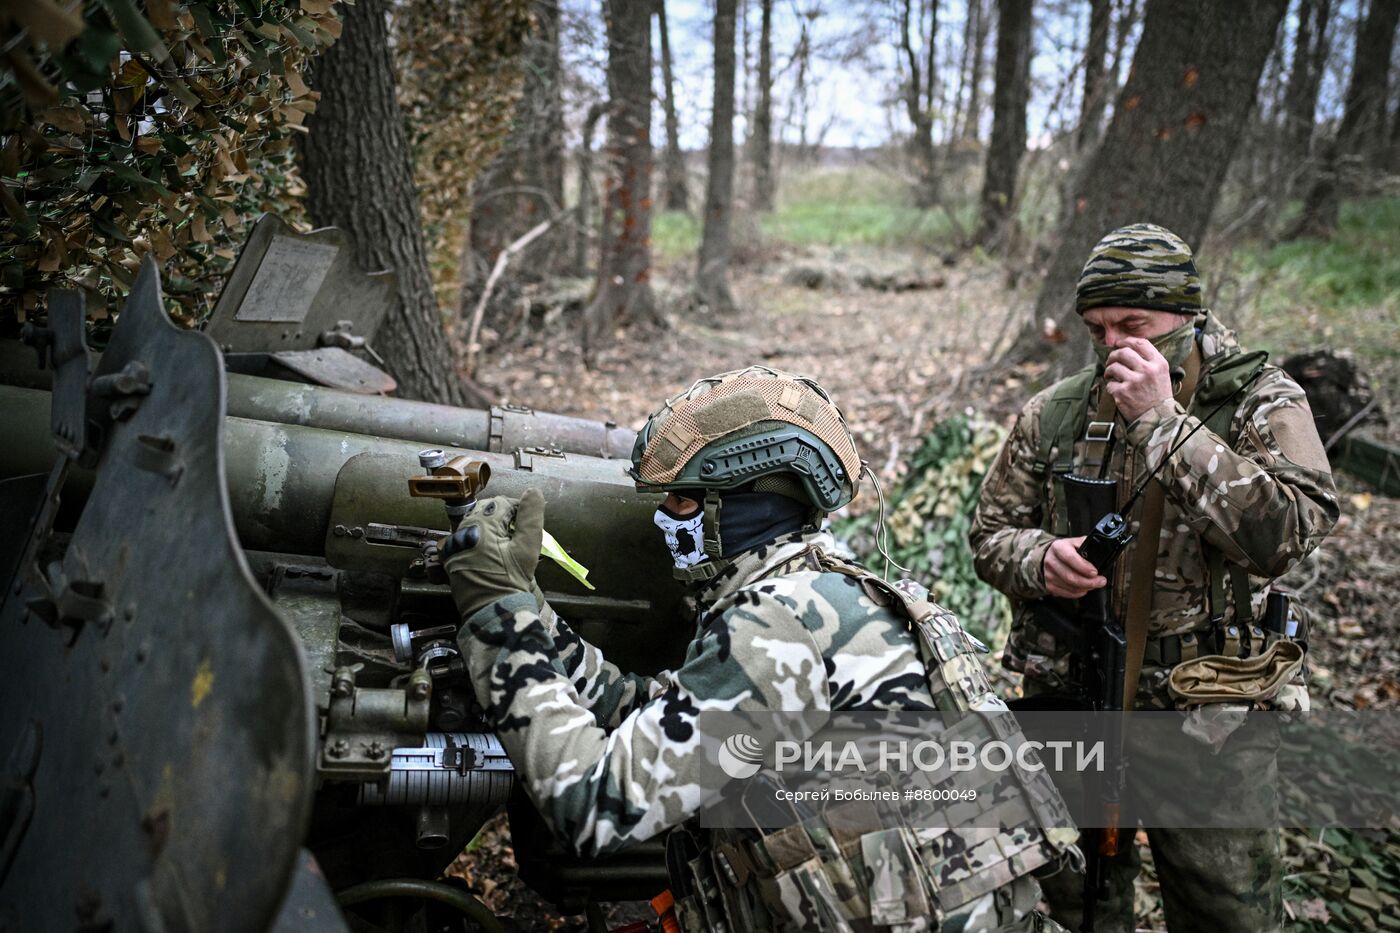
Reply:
x=1225, y=880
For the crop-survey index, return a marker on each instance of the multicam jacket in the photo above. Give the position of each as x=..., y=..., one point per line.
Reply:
x=607, y=755
x=612, y=759
x=1263, y=496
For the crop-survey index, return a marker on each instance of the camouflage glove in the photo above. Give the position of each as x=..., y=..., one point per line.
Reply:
x=493, y=553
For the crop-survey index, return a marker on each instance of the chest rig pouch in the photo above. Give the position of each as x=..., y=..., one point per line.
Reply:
x=857, y=867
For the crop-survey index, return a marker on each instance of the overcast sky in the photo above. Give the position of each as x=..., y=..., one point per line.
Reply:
x=854, y=71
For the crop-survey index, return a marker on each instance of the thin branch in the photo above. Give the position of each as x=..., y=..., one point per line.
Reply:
x=474, y=333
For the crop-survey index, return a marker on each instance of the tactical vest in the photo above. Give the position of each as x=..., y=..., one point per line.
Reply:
x=1065, y=417
x=832, y=873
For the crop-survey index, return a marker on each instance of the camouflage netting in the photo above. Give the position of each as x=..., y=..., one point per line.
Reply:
x=930, y=511
x=125, y=133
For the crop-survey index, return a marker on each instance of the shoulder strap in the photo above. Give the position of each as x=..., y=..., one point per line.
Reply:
x=1062, y=419
x=956, y=678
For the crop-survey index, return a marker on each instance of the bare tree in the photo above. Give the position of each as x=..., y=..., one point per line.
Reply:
x=1173, y=134
x=1310, y=45
x=624, y=267
x=1394, y=157
x=1360, y=138
x=975, y=54
x=587, y=196
x=799, y=101
x=359, y=177
x=1095, y=74
x=918, y=20
x=1013, y=75
x=1129, y=12
x=712, y=271
x=677, y=198
x=761, y=136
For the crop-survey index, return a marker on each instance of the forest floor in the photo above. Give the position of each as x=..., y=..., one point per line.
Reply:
x=902, y=341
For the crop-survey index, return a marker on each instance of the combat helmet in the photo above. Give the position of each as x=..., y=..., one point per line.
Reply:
x=775, y=430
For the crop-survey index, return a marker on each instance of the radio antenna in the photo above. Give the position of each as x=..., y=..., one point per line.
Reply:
x=1141, y=487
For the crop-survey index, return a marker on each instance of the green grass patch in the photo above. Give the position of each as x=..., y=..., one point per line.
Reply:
x=674, y=234
x=1342, y=292
x=1358, y=267
x=831, y=207
x=855, y=207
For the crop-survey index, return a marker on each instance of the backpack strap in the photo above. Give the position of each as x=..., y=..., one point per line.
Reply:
x=1062, y=420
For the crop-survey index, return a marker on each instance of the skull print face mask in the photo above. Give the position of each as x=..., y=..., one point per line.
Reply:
x=685, y=536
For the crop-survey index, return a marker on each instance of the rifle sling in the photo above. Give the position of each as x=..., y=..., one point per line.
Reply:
x=1142, y=570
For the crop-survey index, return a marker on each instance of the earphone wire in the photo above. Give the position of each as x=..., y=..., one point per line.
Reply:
x=881, y=532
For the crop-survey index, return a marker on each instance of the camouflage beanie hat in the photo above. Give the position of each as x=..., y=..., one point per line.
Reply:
x=1140, y=266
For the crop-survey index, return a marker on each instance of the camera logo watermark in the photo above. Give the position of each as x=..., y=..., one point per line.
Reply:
x=741, y=756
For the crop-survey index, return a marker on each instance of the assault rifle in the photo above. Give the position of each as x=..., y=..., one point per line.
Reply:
x=1098, y=651
x=1103, y=653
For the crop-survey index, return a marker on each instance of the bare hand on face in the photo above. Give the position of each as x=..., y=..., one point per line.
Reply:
x=1137, y=376
x=1068, y=575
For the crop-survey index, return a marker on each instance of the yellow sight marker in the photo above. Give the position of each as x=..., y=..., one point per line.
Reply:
x=555, y=552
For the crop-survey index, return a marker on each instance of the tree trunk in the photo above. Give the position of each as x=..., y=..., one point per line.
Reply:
x=1128, y=14
x=587, y=195
x=972, y=119
x=673, y=163
x=712, y=271
x=798, y=109
x=524, y=184
x=1173, y=134
x=359, y=177
x=1095, y=74
x=761, y=140
x=918, y=96
x=1394, y=164
x=1359, y=142
x=1013, y=72
x=1304, y=79
x=624, y=293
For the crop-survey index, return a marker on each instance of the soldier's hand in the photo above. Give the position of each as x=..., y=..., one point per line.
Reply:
x=1137, y=376
x=493, y=553
x=1068, y=575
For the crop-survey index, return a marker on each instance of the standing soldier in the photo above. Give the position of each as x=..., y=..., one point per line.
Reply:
x=751, y=462
x=1236, y=504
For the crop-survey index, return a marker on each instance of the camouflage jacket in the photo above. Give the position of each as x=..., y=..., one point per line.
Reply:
x=1264, y=498
x=612, y=759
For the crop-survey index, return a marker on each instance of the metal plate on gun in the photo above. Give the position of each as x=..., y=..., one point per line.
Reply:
x=160, y=725
x=288, y=288
x=290, y=274
x=337, y=368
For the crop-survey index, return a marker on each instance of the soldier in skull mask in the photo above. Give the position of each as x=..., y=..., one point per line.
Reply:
x=751, y=462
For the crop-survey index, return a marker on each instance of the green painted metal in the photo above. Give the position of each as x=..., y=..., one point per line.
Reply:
x=282, y=486
x=499, y=430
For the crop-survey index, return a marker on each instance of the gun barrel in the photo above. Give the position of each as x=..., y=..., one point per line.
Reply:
x=499, y=429
x=282, y=487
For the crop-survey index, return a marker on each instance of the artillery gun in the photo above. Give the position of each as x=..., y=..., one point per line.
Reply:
x=223, y=648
